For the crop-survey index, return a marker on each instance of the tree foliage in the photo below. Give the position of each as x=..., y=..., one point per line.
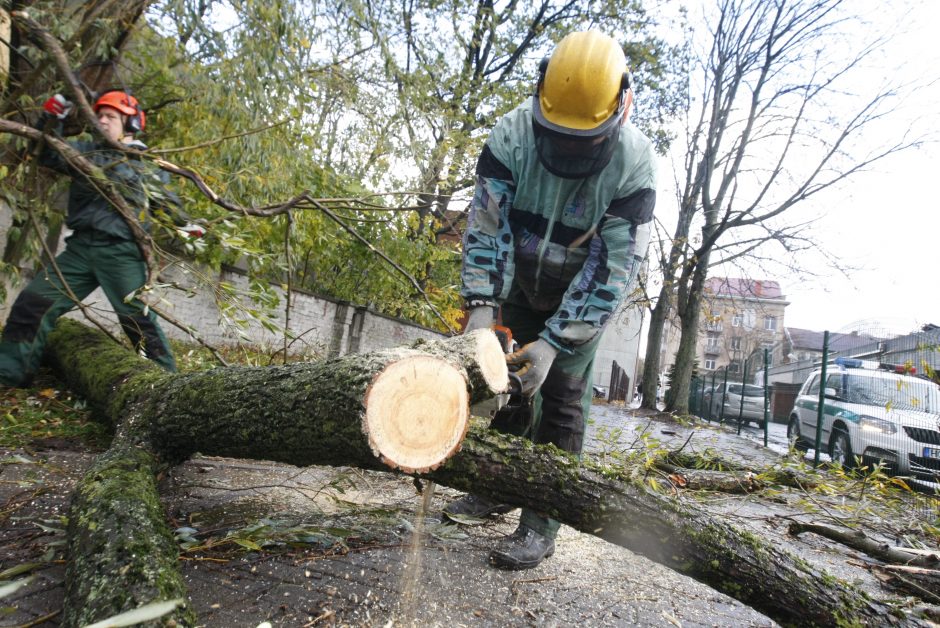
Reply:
x=380, y=103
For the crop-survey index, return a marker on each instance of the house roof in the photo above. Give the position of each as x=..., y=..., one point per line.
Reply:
x=813, y=340
x=743, y=288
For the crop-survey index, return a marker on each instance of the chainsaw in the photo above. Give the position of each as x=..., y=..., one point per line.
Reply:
x=514, y=411
x=504, y=335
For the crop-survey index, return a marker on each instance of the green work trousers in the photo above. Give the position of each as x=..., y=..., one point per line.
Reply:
x=560, y=408
x=90, y=259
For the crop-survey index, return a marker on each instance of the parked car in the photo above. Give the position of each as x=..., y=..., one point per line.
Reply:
x=724, y=402
x=879, y=412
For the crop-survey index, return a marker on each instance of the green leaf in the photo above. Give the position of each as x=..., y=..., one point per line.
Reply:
x=19, y=569
x=13, y=587
x=467, y=520
x=247, y=544
x=145, y=613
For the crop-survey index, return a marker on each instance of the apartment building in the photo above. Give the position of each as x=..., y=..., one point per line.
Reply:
x=739, y=318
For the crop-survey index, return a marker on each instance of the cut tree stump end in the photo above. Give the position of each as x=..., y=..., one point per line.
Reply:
x=491, y=360
x=417, y=413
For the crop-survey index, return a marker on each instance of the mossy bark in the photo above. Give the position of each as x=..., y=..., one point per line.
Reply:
x=300, y=414
x=122, y=554
x=665, y=528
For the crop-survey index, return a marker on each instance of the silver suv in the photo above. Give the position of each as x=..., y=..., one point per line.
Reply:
x=878, y=412
x=725, y=401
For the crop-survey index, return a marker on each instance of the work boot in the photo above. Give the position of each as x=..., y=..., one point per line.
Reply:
x=523, y=549
x=474, y=506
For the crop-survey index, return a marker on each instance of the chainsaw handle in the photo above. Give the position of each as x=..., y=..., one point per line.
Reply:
x=515, y=384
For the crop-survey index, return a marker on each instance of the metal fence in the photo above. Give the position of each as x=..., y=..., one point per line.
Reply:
x=865, y=402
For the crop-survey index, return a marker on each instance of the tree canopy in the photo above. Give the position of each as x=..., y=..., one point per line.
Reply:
x=379, y=108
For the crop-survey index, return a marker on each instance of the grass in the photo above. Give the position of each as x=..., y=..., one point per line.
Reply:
x=47, y=412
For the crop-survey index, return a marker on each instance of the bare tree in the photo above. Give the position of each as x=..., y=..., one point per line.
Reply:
x=453, y=70
x=776, y=125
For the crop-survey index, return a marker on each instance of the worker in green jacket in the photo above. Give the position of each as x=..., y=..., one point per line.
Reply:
x=559, y=226
x=101, y=250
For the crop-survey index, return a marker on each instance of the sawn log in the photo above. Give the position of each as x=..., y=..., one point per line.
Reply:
x=292, y=415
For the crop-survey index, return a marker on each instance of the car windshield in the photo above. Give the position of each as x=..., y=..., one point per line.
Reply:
x=906, y=394
x=749, y=390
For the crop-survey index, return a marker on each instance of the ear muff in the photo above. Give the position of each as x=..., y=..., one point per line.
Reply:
x=543, y=67
x=135, y=122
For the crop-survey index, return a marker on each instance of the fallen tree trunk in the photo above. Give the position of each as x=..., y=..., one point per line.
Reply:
x=116, y=521
x=397, y=409
x=668, y=530
x=292, y=415
x=402, y=408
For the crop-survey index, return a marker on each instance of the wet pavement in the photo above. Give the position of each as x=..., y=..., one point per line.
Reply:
x=344, y=547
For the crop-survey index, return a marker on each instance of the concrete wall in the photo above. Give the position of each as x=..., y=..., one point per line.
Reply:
x=620, y=343
x=322, y=327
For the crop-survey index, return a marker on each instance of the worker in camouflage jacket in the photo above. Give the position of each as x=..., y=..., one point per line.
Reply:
x=101, y=251
x=558, y=229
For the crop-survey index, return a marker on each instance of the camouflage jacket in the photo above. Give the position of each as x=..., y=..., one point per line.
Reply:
x=568, y=246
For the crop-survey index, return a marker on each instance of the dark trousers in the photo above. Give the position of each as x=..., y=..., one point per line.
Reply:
x=559, y=411
x=89, y=261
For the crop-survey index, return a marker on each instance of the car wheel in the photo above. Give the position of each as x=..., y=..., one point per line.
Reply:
x=840, y=449
x=793, y=435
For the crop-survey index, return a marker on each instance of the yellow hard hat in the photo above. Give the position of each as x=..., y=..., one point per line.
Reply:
x=584, y=81
x=579, y=106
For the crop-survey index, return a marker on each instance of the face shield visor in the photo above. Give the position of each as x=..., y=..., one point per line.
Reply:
x=575, y=153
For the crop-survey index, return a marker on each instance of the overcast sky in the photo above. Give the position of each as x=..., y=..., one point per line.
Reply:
x=886, y=223
x=889, y=226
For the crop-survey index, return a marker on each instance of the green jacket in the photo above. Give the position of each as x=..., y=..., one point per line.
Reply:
x=572, y=247
x=142, y=184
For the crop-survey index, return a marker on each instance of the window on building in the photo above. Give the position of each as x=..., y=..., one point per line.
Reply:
x=734, y=367
x=709, y=365
x=736, y=343
x=770, y=323
x=711, y=340
x=736, y=320
x=750, y=319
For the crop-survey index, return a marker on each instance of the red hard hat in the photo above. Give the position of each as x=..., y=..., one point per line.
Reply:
x=123, y=102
